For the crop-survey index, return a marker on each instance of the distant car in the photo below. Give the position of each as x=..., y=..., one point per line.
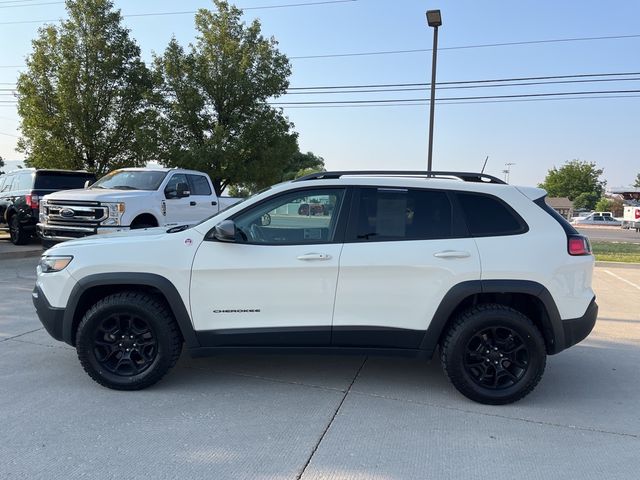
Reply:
x=311, y=209
x=598, y=218
x=20, y=194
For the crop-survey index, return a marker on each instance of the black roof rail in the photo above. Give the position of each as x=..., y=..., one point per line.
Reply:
x=465, y=176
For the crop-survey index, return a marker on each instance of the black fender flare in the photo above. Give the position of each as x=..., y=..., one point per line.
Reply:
x=551, y=321
x=162, y=284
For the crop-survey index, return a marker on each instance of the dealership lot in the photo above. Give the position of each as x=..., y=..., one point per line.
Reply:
x=313, y=417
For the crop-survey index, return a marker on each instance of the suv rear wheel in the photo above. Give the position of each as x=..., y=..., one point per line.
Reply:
x=18, y=234
x=493, y=354
x=128, y=341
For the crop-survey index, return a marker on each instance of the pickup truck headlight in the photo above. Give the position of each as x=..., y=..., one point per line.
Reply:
x=49, y=264
x=115, y=213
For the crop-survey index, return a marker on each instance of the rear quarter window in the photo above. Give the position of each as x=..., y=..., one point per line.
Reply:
x=488, y=216
x=60, y=181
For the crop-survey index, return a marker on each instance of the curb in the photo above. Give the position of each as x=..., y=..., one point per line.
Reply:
x=618, y=264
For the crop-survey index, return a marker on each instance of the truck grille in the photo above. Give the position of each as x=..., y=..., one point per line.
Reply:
x=75, y=213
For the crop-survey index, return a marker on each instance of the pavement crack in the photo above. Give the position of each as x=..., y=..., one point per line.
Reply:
x=20, y=335
x=335, y=414
x=505, y=417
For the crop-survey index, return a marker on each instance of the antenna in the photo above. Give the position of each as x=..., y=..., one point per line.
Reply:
x=485, y=164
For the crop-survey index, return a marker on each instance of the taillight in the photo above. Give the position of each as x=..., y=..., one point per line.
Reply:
x=33, y=201
x=579, y=245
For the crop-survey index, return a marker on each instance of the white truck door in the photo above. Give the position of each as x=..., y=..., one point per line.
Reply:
x=178, y=210
x=203, y=200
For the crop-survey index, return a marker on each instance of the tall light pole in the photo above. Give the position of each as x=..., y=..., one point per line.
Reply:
x=507, y=171
x=434, y=19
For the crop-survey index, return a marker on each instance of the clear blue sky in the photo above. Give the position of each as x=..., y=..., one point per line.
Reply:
x=534, y=135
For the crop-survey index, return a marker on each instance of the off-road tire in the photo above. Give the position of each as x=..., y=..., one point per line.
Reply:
x=467, y=345
x=138, y=309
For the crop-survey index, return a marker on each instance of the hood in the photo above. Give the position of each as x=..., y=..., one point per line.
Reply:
x=97, y=195
x=128, y=236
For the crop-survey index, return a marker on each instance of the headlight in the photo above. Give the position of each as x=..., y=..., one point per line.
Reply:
x=50, y=264
x=115, y=213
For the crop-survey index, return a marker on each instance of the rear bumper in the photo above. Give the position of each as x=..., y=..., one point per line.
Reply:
x=577, y=329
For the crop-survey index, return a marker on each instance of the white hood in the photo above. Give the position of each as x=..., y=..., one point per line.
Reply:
x=97, y=195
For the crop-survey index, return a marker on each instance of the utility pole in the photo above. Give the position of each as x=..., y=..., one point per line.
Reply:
x=507, y=171
x=434, y=19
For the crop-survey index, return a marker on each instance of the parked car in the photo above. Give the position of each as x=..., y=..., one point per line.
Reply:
x=598, y=218
x=130, y=198
x=20, y=194
x=484, y=272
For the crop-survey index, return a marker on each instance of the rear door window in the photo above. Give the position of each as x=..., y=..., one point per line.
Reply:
x=488, y=216
x=199, y=185
x=394, y=214
x=23, y=181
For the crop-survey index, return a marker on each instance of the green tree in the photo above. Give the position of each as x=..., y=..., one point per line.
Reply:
x=577, y=180
x=637, y=184
x=604, y=205
x=83, y=100
x=213, y=113
x=302, y=164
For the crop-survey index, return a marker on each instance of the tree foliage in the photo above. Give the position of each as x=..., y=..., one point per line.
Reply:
x=83, y=98
x=577, y=180
x=637, y=183
x=213, y=110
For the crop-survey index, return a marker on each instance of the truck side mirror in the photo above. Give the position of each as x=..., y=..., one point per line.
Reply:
x=182, y=190
x=225, y=231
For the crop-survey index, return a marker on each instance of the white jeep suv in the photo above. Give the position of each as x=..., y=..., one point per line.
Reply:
x=346, y=262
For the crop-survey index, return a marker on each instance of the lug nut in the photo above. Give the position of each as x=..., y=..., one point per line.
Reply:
x=135, y=344
x=120, y=345
x=493, y=362
x=488, y=351
x=123, y=336
x=131, y=337
x=128, y=350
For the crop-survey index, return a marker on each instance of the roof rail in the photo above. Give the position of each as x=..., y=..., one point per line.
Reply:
x=464, y=176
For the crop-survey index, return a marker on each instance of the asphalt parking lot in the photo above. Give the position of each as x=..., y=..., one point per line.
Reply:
x=311, y=417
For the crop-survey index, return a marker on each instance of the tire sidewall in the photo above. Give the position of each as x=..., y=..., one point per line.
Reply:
x=496, y=318
x=85, y=344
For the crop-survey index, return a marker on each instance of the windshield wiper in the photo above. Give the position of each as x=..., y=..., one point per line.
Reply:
x=123, y=187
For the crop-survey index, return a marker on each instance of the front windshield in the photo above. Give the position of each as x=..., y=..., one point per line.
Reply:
x=131, y=180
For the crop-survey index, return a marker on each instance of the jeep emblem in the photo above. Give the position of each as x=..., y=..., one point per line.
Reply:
x=67, y=213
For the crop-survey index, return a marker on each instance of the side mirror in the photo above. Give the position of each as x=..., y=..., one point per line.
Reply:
x=87, y=183
x=225, y=231
x=182, y=190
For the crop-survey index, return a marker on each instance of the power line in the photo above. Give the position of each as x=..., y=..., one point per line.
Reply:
x=9, y=135
x=191, y=12
x=30, y=5
x=480, y=97
x=463, y=47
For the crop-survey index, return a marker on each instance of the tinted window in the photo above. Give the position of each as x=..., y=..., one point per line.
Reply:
x=401, y=214
x=308, y=216
x=60, y=181
x=7, y=183
x=199, y=185
x=487, y=216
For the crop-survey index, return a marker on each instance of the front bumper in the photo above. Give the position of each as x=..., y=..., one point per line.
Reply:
x=577, y=329
x=62, y=233
x=50, y=317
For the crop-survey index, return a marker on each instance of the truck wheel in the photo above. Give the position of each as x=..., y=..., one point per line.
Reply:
x=18, y=235
x=128, y=341
x=493, y=354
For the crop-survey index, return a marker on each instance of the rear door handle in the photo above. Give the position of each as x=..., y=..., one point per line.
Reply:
x=314, y=256
x=193, y=204
x=452, y=254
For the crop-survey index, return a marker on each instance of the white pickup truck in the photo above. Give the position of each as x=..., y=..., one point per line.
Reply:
x=129, y=198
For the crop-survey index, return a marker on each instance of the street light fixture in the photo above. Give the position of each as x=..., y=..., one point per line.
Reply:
x=434, y=19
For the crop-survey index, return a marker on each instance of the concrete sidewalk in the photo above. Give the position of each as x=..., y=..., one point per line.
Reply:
x=9, y=251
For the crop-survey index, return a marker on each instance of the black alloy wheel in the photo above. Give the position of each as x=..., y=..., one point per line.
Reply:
x=128, y=340
x=493, y=354
x=125, y=344
x=496, y=357
x=17, y=234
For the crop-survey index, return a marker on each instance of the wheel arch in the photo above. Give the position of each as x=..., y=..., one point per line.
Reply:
x=94, y=287
x=530, y=298
x=145, y=218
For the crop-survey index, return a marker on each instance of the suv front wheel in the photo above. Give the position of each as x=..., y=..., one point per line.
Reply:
x=493, y=354
x=128, y=341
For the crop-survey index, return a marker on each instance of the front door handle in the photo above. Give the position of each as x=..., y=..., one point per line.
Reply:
x=314, y=256
x=452, y=254
x=193, y=204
